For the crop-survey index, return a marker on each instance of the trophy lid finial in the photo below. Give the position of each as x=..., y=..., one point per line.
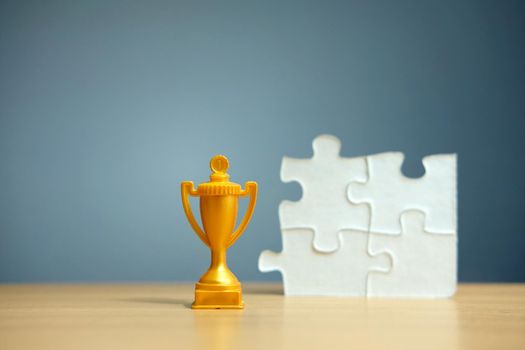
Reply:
x=219, y=184
x=219, y=165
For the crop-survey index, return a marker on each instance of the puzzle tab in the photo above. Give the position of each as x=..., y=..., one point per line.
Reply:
x=324, y=207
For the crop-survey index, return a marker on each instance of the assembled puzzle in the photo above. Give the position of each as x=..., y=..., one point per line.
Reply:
x=362, y=228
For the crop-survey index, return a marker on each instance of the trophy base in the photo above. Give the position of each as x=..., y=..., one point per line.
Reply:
x=209, y=296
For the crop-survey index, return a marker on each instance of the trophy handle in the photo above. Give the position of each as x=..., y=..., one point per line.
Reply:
x=186, y=187
x=250, y=189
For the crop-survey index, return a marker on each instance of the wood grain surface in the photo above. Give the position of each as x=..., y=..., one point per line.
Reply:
x=158, y=317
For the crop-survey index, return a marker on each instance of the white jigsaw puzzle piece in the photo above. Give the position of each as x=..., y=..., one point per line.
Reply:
x=324, y=207
x=424, y=264
x=389, y=192
x=306, y=271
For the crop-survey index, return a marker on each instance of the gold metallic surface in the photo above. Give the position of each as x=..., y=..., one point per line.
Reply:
x=218, y=288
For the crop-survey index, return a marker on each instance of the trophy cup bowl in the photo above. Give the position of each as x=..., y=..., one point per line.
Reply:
x=218, y=288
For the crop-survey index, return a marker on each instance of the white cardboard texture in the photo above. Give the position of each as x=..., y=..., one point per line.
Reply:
x=324, y=207
x=424, y=264
x=306, y=271
x=367, y=194
x=389, y=192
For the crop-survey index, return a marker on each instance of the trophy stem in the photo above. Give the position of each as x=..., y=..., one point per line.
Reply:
x=218, y=259
x=219, y=273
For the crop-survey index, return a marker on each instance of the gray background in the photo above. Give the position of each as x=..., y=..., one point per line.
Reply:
x=105, y=106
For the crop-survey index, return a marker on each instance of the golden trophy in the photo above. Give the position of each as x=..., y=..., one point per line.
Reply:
x=218, y=288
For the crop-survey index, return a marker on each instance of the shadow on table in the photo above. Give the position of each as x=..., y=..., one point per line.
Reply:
x=163, y=301
x=263, y=288
x=248, y=289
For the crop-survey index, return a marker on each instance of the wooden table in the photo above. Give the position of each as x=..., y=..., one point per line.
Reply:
x=158, y=317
